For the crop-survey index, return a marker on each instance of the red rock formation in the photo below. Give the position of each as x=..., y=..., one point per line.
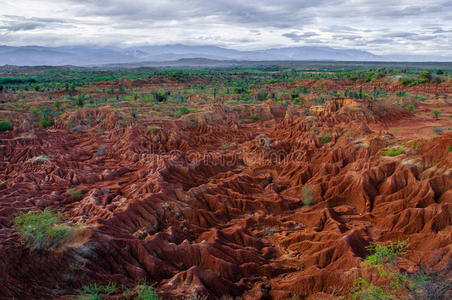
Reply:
x=174, y=207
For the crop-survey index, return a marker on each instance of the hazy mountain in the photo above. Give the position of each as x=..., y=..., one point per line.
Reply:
x=91, y=55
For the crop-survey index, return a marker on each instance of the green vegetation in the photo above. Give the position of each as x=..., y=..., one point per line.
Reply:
x=398, y=284
x=449, y=148
x=325, y=139
x=254, y=117
x=42, y=230
x=308, y=198
x=410, y=108
x=393, y=151
x=74, y=193
x=425, y=76
x=436, y=113
x=153, y=128
x=146, y=292
x=183, y=110
x=96, y=292
x=5, y=125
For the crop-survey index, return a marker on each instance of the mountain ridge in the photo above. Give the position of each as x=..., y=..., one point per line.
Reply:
x=93, y=55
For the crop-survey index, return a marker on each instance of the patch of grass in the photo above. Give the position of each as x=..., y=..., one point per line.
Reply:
x=183, y=110
x=449, y=148
x=74, y=193
x=5, y=125
x=308, y=198
x=410, y=108
x=393, y=151
x=42, y=230
x=254, y=117
x=153, y=128
x=94, y=291
x=146, y=292
x=325, y=139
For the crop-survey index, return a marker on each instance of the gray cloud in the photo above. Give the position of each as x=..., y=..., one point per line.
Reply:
x=380, y=26
x=296, y=37
x=25, y=26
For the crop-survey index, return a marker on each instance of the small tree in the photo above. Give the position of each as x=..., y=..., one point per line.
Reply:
x=436, y=113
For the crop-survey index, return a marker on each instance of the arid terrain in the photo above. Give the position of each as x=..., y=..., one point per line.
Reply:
x=242, y=184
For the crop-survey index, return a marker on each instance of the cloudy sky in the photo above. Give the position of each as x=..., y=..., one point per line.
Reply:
x=379, y=26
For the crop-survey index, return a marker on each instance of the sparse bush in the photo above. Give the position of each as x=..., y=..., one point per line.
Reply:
x=426, y=76
x=308, y=198
x=146, y=292
x=393, y=152
x=42, y=230
x=160, y=96
x=436, y=113
x=74, y=193
x=449, y=148
x=405, y=80
x=95, y=292
x=183, y=110
x=254, y=117
x=325, y=139
x=5, y=125
x=44, y=121
x=153, y=128
x=401, y=94
x=397, y=284
x=410, y=108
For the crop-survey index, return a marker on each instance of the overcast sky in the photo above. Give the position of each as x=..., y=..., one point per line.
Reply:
x=379, y=26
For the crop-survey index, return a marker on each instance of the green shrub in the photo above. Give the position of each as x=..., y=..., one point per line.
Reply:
x=94, y=291
x=426, y=76
x=364, y=290
x=45, y=121
x=405, y=80
x=5, y=125
x=74, y=193
x=449, y=148
x=183, y=110
x=325, y=139
x=254, y=117
x=401, y=94
x=308, y=198
x=385, y=254
x=153, y=128
x=146, y=292
x=398, y=284
x=410, y=108
x=436, y=113
x=393, y=152
x=42, y=230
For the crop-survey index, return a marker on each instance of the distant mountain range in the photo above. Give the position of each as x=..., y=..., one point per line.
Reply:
x=91, y=55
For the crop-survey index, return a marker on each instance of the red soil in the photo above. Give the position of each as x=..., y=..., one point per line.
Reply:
x=233, y=222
